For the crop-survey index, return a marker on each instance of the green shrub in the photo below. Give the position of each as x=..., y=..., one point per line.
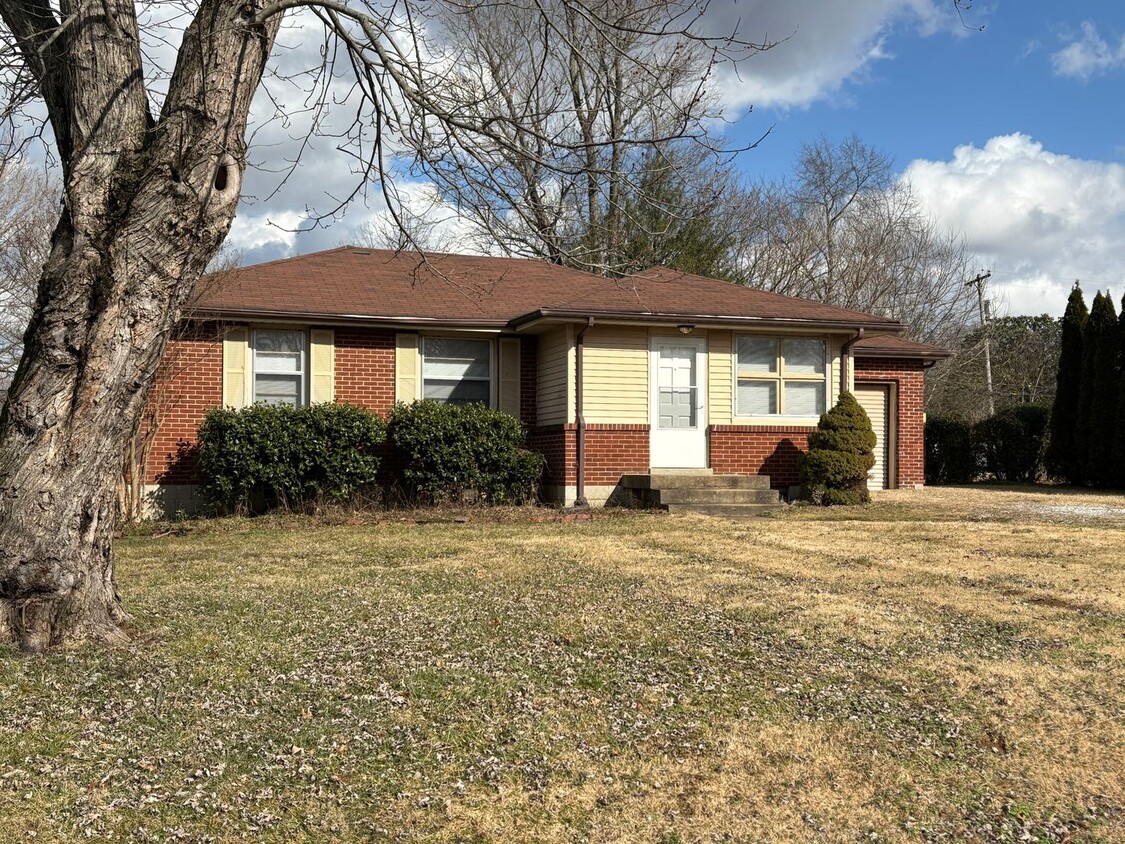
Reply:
x=841, y=452
x=268, y=456
x=951, y=456
x=1011, y=442
x=452, y=451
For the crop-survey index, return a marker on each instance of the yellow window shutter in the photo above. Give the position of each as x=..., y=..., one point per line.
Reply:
x=236, y=367
x=322, y=365
x=408, y=366
x=509, y=393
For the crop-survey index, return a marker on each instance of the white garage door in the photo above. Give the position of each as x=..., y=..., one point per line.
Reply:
x=875, y=399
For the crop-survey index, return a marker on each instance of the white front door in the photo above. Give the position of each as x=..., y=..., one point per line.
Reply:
x=678, y=403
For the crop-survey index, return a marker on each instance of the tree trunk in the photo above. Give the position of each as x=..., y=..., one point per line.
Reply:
x=147, y=204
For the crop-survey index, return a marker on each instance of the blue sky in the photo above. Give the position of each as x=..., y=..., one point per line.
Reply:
x=1012, y=136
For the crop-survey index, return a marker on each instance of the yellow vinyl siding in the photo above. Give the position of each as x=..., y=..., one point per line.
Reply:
x=556, y=379
x=322, y=365
x=509, y=382
x=721, y=381
x=615, y=361
x=835, y=351
x=408, y=368
x=236, y=367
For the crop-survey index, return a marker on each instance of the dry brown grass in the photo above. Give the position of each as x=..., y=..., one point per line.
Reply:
x=940, y=666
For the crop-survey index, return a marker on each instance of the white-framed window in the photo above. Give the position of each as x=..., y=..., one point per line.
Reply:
x=457, y=370
x=780, y=376
x=279, y=366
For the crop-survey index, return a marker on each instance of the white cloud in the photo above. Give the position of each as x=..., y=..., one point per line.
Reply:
x=1088, y=55
x=1038, y=219
x=822, y=45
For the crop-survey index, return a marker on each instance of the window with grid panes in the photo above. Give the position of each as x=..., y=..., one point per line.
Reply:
x=780, y=376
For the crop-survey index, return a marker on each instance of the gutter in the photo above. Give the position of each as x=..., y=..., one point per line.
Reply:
x=580, y=498
x=700, y=320
x=846, y=358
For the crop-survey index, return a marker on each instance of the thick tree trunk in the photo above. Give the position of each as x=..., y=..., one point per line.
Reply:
x=148, y=203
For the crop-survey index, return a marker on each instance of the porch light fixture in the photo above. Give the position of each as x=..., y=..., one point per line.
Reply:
x=685, y=328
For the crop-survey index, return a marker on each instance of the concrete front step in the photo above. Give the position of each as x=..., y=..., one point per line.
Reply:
x=661, y=479
x=680, y=495
x=728, y=510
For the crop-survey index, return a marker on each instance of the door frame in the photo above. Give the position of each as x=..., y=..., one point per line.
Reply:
x=698, y=443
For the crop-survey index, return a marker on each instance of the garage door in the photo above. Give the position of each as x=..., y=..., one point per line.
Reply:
x=875, y=399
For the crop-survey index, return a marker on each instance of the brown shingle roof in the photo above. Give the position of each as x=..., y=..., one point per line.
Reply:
x=370, y=284
x=898, y=347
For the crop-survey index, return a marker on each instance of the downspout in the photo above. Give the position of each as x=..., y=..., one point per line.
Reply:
x=846, y=357
x=580, y=499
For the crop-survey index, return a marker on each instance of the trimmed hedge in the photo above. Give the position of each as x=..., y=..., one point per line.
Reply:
x=449, y=452
x=266, y=456
x=1011, y=444
x=1008, y=446
x=841, y=452
x=951, y=456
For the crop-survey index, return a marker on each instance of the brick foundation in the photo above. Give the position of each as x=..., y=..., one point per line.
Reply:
x=759, y=450
x=909, y=376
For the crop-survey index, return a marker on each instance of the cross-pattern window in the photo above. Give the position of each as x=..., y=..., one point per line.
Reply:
x=279, y=367
x=781, y=376
x=457, y=371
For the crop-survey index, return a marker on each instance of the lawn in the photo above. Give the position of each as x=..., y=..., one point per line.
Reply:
x=941, y=666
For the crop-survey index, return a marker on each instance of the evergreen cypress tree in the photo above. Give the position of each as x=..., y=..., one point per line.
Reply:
x=1060, y=457
x=1097, y=399
x=1119, y=427
x=841, y=452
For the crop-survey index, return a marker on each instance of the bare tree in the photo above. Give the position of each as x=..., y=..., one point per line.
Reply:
x=27, y=211
x=586, y=100
x=152, y=165
x=847, y=232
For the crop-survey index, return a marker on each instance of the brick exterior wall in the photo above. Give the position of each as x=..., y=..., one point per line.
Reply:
x=759, y=450
x=189, y=384
x=611, y=451
x=365, y=368
x=910, y=414
x=365, y=376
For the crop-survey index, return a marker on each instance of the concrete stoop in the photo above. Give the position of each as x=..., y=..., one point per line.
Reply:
x=702, y=491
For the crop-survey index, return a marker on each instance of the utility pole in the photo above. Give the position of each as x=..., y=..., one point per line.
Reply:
x=978, y=283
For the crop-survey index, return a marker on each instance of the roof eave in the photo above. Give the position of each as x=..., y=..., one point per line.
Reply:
x=264, y=315
x=566, y=315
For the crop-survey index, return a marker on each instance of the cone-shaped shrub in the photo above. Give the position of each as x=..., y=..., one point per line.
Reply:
x=1061, y=457
x=1097, y=400
x=841, y=452
x=1119, y=427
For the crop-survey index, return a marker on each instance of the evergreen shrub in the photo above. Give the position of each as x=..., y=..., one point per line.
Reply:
x=449, y=452
x=1011, y=443
x=951, y=457
x=841, y=452
x=257, y=458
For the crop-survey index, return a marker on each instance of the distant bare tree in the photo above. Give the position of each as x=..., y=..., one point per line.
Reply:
x=585, y=100
x=28, y=209
x=845, y=231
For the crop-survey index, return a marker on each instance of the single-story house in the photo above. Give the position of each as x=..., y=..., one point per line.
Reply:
x=611, y=377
